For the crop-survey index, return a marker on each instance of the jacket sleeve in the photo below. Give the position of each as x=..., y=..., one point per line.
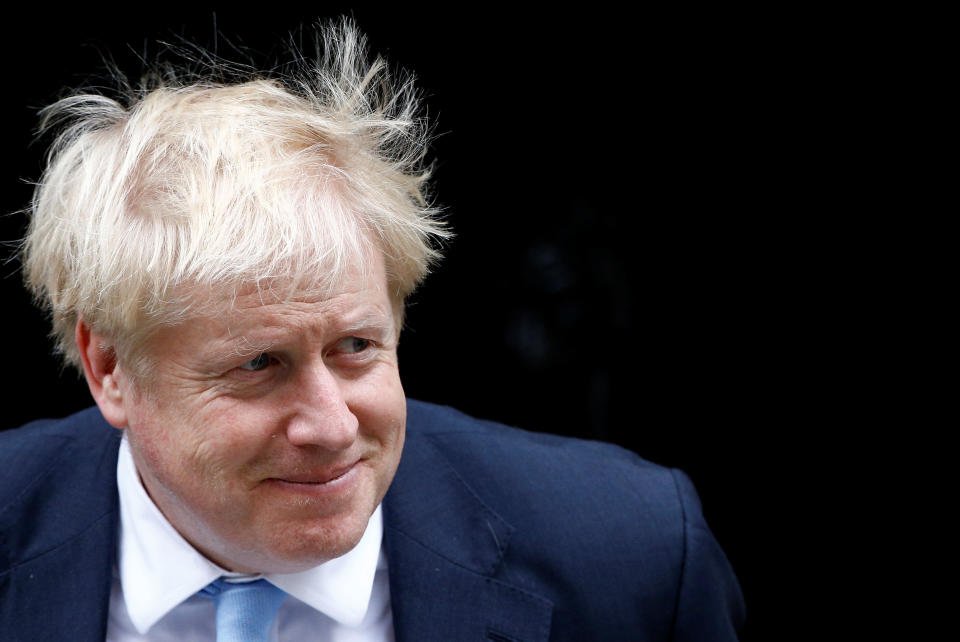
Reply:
x=709, y=601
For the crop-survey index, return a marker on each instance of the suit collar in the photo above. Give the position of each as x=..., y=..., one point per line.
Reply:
x=444, y=548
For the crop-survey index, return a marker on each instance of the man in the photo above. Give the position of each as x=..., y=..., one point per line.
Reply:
x=227, y=264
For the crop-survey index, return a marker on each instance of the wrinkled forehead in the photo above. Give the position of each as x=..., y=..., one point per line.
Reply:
x=255, y=316
x=256, y=322
x=363, y=273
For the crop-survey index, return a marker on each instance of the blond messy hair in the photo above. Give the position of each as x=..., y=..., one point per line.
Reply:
x=158, y=206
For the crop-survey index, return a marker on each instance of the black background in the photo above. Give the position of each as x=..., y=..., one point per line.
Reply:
x=624, y=267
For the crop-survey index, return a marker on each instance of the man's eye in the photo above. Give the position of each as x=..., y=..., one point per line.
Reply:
x=257, y=363
x=354, y=344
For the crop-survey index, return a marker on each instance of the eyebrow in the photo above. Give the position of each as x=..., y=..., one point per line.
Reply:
x=241, y=344
x=371, y=321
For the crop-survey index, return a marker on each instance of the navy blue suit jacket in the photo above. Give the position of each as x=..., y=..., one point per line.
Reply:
x=491, y=533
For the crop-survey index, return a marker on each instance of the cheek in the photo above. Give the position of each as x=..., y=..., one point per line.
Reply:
x=225, y=440
x=155, y=437
x=183, y=448
x=381, y=401
x=387, y=422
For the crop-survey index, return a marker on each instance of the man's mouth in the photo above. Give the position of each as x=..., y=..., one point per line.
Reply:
x=318, y=477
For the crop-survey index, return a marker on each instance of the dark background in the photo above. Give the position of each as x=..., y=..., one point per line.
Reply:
x=624, y=267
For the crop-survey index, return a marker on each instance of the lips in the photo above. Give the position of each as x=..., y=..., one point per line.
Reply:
x=315, y=477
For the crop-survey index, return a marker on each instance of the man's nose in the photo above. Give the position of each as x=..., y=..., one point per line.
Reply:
x=323, y=417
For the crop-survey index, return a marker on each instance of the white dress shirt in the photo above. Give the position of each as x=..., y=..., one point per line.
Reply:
x=154, y=593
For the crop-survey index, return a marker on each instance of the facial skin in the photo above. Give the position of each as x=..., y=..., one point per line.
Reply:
x=267, y=436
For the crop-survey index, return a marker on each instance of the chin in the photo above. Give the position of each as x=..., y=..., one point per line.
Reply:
x=305, y=546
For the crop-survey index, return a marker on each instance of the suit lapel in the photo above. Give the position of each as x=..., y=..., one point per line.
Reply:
x=444, y=546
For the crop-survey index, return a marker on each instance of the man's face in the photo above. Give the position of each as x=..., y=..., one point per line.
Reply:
x=267, y=436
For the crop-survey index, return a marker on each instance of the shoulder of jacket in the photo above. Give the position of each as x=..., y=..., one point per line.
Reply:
x=584, y=516
x=561, y=473
x=42, y=448
x=503, y=445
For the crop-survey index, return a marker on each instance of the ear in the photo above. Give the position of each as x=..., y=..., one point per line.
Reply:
x=107, y=382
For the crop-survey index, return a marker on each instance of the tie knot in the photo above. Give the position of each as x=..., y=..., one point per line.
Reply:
x=245, y=610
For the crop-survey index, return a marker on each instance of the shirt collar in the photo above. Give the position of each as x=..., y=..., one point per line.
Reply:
x=159, y=569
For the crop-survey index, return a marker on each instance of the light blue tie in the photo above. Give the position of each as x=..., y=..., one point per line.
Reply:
x=245, y=610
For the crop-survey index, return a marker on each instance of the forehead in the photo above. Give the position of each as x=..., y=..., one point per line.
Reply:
x=272, y=310
x=354, y=271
